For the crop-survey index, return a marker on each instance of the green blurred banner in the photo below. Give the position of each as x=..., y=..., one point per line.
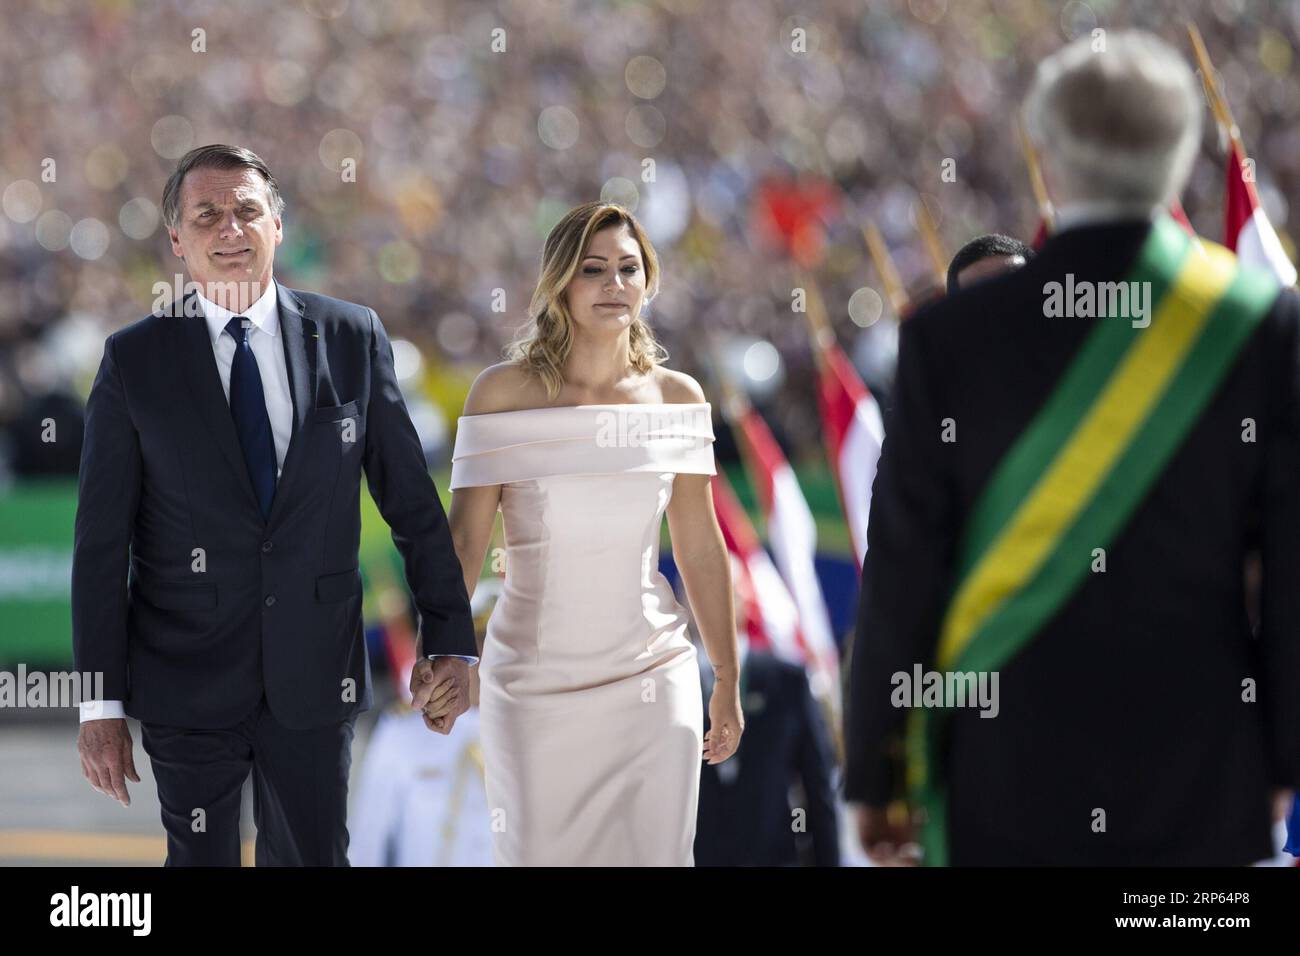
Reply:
x=36, y=523
x=35, y=571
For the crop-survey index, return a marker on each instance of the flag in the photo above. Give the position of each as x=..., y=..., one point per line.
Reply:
x=771, y=619
x=399, y=641
x=791, y=214
x=792, y=536
x=1040, y=235
x=1247, y=231
x=854, y=431
x=1179, y=215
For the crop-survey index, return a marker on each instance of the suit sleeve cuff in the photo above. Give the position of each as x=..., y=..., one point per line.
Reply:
x=101, y=710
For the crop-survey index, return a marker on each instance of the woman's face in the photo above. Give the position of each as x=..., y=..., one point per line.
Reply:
x=605, y=293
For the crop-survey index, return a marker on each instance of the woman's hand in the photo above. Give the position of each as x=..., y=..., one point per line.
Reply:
x=726, y=722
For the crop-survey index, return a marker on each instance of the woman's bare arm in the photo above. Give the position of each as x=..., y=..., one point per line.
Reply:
x=499, y=388
x=472, y=516
x=701, y=556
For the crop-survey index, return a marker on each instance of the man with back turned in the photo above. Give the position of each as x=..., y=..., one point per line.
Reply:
x=1081, y=455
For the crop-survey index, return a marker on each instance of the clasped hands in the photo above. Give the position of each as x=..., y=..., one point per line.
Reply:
x=440, y=691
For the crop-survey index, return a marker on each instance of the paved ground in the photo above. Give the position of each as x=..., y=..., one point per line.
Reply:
x=49, y=815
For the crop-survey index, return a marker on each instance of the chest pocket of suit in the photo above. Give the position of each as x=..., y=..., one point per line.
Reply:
x=341, y=427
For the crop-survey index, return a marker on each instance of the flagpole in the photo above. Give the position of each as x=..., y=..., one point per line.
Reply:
x=734, y=402
x=1046, y=212
x=820, y=332
x=885, y=267
x=933, y=244
x=1218, y=103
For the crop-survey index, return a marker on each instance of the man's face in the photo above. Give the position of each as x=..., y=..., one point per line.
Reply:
x=987, y=269
x=226, y=230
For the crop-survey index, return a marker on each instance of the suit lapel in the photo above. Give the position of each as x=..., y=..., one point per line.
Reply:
x=301, y=357
x=204, y=382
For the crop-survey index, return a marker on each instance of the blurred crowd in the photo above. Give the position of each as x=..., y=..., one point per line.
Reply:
x=425, y=148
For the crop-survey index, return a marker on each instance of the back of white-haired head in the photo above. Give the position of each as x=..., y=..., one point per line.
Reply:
x=1117, y=119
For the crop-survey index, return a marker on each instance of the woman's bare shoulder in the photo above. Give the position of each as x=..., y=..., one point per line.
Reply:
x=504, y=387
x=678, y=388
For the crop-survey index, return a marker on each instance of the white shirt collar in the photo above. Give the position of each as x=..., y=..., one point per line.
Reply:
x=1097, y=212
x=263, y=313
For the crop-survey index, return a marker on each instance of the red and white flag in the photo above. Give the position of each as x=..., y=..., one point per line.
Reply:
x=1247, y=231
x=854, y=432
x=792, y=536
x=399, y=647
x=1179, y=215
x=771, y=618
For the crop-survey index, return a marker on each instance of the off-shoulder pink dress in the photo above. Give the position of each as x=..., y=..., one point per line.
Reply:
x=591, y=709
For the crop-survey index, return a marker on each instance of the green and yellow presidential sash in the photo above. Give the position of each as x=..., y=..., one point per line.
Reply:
x=1076, y=474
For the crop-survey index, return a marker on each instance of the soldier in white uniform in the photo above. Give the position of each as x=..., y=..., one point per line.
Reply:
x=420, y=800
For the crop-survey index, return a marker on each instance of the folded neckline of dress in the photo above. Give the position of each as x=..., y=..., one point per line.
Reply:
x=500, y=447
x=559, y=408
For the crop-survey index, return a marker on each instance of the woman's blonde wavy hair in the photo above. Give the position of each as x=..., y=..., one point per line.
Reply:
x=543, y=344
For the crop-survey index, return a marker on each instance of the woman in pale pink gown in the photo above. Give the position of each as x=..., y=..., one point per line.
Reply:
x=590, y=705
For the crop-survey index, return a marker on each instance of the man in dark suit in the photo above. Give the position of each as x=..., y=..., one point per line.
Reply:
x=1142, y=722
x=224, y=443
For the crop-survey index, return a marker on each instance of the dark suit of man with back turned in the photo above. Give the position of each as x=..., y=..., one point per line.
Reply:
x=1140, y=722
x=224, y=446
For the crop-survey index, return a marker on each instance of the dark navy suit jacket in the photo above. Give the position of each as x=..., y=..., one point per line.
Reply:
x=274, y=606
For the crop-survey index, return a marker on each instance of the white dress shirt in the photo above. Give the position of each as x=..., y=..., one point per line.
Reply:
x=1076, y=214
x=268, y=349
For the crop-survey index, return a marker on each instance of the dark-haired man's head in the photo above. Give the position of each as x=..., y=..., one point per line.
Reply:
x=222, y=209
x=984, y=257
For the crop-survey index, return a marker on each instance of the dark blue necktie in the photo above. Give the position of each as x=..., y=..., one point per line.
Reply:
x=252, y=423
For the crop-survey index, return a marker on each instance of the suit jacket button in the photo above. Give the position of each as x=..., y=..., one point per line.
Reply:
x=270, y=600
x=266, y=547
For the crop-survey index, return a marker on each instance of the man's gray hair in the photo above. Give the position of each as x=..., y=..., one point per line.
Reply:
x=215, y=156
x=1118, y=118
